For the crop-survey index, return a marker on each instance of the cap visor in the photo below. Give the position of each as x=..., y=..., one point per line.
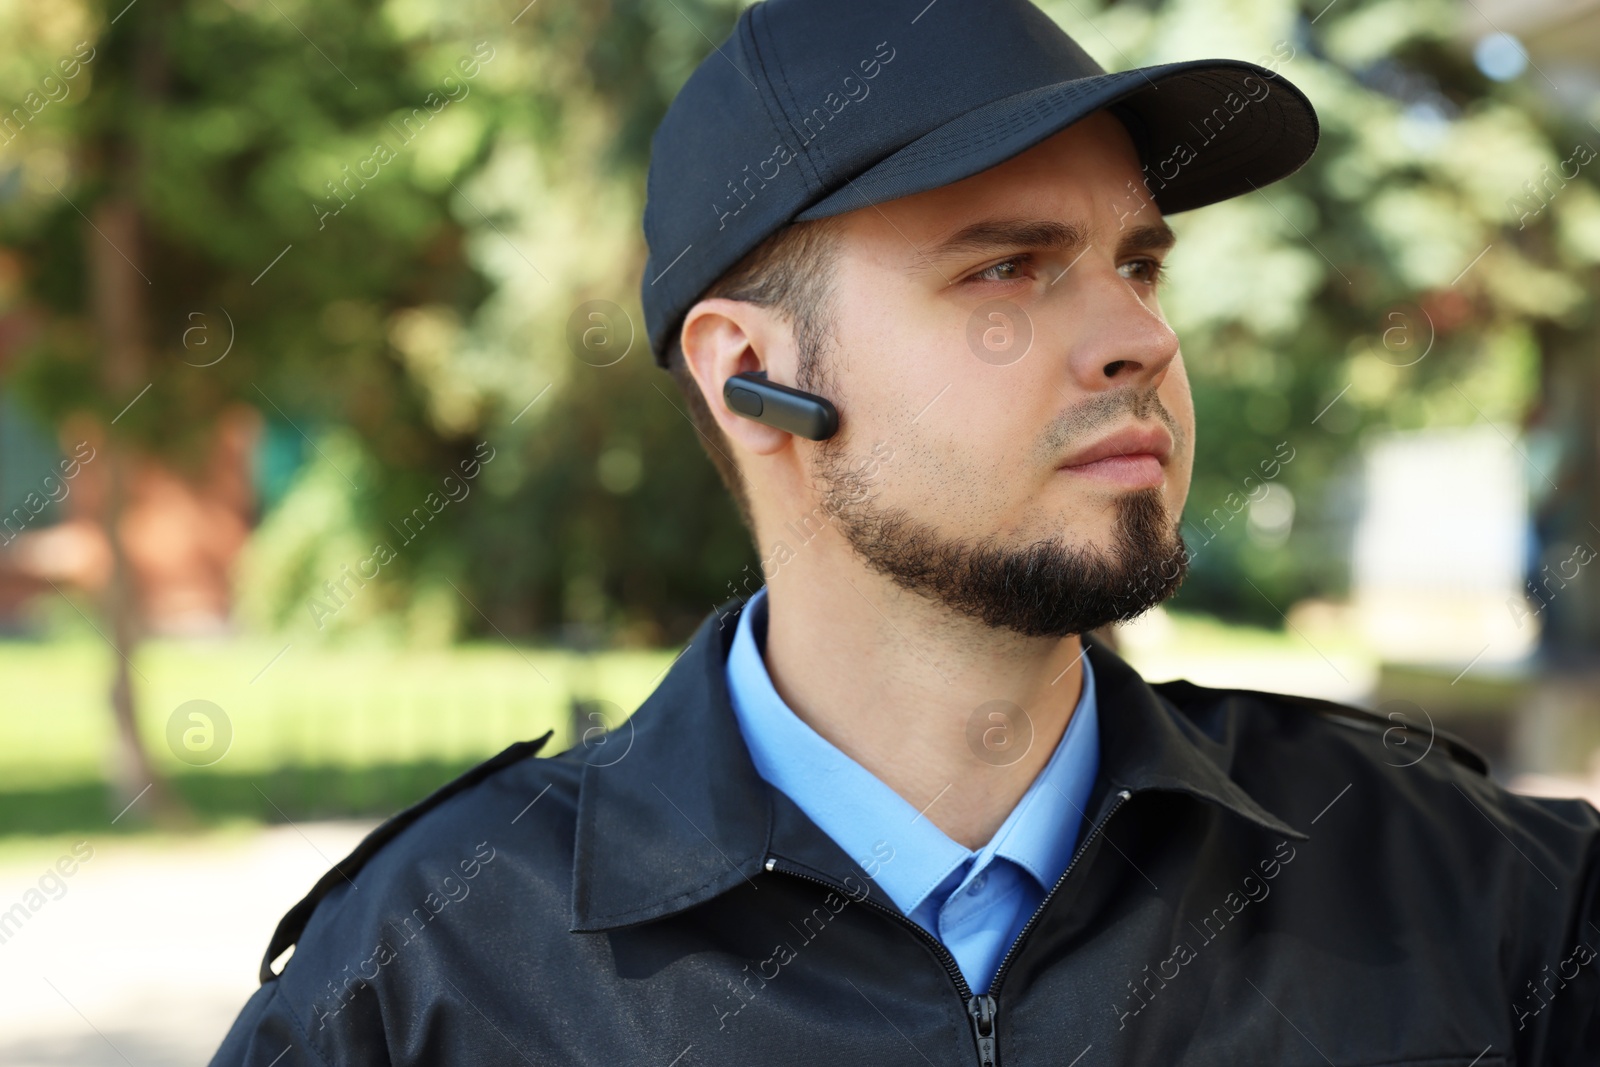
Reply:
x=1206, y=130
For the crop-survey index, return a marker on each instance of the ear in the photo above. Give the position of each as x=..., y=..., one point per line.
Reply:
x=722, y=338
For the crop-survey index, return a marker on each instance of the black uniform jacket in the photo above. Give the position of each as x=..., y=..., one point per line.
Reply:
x=1261, y=879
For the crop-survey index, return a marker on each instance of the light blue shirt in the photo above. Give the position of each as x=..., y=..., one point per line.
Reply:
x=974, y=902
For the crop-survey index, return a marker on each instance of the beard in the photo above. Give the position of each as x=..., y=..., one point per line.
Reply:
x=1045, y=589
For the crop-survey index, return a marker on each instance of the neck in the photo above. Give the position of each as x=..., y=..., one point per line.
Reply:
x=899, y=684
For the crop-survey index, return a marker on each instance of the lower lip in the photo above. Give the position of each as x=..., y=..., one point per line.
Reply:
x=1134, y=471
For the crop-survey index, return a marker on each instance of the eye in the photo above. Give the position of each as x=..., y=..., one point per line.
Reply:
x=1005, y=271
x=1150, y=271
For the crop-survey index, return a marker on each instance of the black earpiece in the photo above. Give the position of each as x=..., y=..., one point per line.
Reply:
x=800, y=413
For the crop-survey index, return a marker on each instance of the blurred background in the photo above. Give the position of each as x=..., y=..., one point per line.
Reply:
x=333, y=459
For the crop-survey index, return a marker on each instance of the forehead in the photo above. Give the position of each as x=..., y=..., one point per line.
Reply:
x=1075, y=174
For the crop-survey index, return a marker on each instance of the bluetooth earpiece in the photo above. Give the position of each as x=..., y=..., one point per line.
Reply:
x=800, y=413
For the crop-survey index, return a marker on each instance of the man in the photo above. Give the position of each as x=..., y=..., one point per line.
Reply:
x=895, y=806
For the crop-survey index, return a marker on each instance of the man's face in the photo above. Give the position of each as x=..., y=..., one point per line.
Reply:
x=992, y=336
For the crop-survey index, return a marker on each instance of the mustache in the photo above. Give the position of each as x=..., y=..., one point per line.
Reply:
x=1084, y=421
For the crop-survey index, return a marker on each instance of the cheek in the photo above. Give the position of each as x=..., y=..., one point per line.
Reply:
x=1175, y=394
x=1179, y=402
x=903, y=374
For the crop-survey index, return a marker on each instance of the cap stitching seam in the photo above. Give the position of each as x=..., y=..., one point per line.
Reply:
x=784, y=102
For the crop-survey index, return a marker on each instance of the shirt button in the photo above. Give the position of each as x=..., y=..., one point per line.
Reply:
x=977, y=884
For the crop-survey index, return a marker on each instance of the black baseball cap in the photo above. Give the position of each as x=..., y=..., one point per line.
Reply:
x=813, y=108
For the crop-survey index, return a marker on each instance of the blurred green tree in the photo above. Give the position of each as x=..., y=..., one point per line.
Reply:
x=405, y=211
x=273, y=182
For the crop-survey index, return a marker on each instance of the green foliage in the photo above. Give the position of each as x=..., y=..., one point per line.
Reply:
x=420, y=314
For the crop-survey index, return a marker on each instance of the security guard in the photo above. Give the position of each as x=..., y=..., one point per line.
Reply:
x=895, y=803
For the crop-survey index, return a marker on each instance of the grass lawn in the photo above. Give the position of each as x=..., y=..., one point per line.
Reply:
x=320, y=730
x=329, y=731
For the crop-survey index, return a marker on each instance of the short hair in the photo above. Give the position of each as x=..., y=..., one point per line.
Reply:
x=791, y=271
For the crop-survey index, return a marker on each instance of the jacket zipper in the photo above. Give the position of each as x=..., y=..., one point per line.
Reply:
x=1123, y=797
x=983, y=1009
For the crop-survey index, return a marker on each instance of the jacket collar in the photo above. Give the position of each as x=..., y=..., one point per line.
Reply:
x=683, y=816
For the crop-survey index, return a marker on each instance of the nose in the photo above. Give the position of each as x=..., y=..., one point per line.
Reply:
x=1122, y=339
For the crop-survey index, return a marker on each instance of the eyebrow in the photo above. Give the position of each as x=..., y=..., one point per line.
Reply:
x=1155, y=237
x=999, y=235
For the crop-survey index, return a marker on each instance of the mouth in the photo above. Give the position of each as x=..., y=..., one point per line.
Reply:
x=1134, y=457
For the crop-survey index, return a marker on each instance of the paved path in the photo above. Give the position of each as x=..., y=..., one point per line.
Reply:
x=144, y=955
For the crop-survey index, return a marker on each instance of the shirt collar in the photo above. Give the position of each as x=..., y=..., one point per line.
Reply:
x=684, y=816
x=857, y=810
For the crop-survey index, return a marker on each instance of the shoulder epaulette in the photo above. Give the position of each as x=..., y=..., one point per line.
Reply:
x=1361, y=719
x=1369, y=722
x=294, y=922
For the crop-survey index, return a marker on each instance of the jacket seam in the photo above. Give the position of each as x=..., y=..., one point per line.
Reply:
x=1448, y=1060
x=305, y=1035
x=384, y=834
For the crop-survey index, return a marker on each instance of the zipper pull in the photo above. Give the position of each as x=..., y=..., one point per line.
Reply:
x=982, y=1009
